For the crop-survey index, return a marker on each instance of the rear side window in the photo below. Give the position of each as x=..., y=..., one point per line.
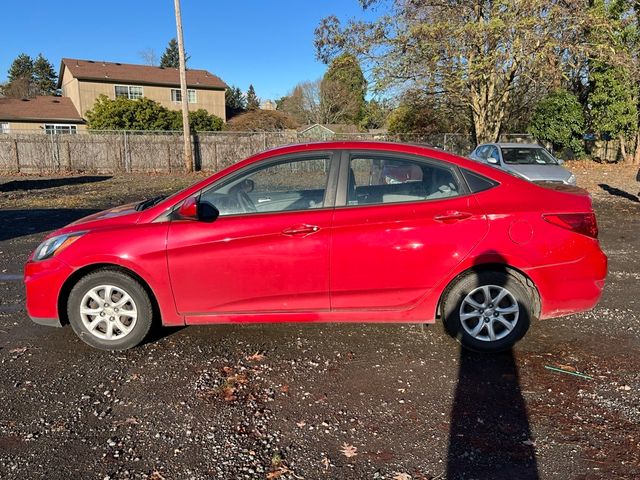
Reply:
x=477, y=183
x=394, y=180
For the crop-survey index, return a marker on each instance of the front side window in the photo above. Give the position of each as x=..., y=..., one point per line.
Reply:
x=298, y=184
x=58, y=129
x=176, y=95
x=131, y=92
x=4, y=127
x=393, y=180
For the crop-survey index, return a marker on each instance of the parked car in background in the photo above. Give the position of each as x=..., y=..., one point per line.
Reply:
x=328, y=232
x=530, y=161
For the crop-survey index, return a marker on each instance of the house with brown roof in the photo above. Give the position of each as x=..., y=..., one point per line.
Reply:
x=43, y=113
x=83, y=81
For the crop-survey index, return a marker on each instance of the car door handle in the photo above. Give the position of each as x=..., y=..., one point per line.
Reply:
x=451, y=216
x=300, y=230
x=265, y=199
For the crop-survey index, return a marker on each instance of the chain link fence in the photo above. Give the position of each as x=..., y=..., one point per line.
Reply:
x=119, y=151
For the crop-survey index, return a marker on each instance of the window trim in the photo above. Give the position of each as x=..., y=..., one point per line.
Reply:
x=128, y=87
x=189, y=92
x=343, y=181
x=73, y=129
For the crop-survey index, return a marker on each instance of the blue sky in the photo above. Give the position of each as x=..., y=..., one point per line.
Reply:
x=266, y=43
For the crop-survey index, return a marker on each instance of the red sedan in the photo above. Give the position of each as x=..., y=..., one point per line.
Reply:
x=318, y=233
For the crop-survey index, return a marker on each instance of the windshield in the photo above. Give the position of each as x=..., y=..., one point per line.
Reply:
x=527, y=156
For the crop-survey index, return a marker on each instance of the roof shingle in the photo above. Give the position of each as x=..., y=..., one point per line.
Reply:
x=140, y=74
x=41, y=108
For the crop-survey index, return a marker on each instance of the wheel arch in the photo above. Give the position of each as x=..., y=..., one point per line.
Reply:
x=73, y=279
x=495, y=267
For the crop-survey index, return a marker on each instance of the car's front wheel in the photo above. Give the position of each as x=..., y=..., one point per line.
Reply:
x=110, y=310
x=488, y=311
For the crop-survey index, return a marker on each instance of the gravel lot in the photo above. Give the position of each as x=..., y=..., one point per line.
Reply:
x=294, y=401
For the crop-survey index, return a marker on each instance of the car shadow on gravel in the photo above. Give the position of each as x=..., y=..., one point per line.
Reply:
x=42, y=183
x=619, y=193
x=17, y=223
x=489, y=436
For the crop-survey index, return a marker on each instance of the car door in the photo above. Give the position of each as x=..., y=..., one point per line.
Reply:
x=268, y=251
x=401, y=224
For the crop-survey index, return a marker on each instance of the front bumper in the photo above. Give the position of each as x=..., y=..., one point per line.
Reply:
x=43, y=281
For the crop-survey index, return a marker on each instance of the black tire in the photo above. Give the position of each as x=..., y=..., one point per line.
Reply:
x=457, y=303
x=140, y=303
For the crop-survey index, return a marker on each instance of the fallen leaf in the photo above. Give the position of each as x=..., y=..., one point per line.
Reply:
x=18, y=350
x=401, y=476
x=256, y=357
x=229, y=394
x=284, y=388
x=156, y=475
x=301, y=423
x=348, y=450
x=327, y=463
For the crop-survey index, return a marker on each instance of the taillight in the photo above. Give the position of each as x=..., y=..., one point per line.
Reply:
x=584, y=223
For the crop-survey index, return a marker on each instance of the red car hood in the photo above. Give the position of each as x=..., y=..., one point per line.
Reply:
x=118, y=215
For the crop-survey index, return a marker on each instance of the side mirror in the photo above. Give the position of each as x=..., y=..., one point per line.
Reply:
x=189, y=209
x=492, y=161
x=192, y=209
x=560, y=161
x=207, y=212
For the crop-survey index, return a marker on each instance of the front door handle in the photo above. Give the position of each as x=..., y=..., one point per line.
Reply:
x=300, y=230
x=451, y=216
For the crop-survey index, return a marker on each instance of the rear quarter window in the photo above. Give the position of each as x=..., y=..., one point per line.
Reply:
x=476, y=182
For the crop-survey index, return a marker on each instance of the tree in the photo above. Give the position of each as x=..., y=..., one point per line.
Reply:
x=202, y=121
x=125, y=114
x=375, y=115
x=613, y=110
x=253, y=102
x=472, y=52
x=20, y=78
x=344, y=78
x=235, y=102
x=321, y=101
x=171, y=57
x=559, y=119
x=261, y=121
x=28, y=77
x=149, y=57
x=44, y=76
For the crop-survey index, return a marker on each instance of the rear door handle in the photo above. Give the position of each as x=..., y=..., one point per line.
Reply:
x=300, y=230
x=451, y=216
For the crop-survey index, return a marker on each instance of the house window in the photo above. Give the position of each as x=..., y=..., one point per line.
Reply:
x=4, y=127
x=128, y=91
x=176, y=95
x=57, y=129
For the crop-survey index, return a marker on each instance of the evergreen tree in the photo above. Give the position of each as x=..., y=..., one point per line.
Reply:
x=235, y=102
x=171, y=56
x=20, y=78
x=253, y=102
x=44, y=76
x=345, y=79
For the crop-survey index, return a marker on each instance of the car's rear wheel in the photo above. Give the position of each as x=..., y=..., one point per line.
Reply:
x=110, y=310
x=488, y=311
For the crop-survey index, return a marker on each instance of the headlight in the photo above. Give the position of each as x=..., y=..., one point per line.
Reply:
x=55, y=245
x=571, y=180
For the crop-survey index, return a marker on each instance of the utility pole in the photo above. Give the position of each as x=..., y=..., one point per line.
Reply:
x=188, y=155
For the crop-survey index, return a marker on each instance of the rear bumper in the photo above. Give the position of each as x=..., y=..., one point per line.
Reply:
x=571, y=287
x=43, y=281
